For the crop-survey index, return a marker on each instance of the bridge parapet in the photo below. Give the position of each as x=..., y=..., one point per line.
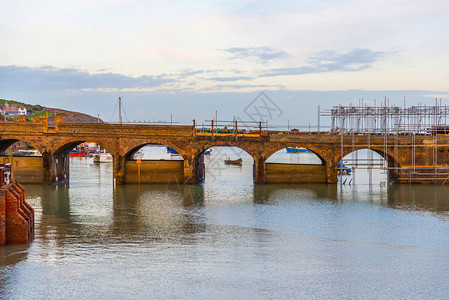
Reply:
x=20, y=128
x=123, y=130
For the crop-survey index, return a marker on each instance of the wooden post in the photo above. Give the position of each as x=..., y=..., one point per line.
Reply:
x=236, y=129
x=139, y=161
x=194, y=128
x=212, y=131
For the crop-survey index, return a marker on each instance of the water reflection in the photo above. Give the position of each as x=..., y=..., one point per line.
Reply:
x=12, y=254
x=406, y=197
x=268, y=194
x=429, y=198
x=186, y=241
x=160, y=211
x=170, y=211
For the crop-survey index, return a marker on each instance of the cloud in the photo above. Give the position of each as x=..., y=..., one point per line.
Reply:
x=233, y=78
x=190, y=72
x=330, y=61
x=263, y=54
x=239, y=87
x=19, y=78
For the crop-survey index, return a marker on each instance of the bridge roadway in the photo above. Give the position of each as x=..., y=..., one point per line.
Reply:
x=411, y=159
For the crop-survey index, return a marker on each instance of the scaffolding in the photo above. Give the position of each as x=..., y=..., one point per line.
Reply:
x=421, y=119
x=391, y=121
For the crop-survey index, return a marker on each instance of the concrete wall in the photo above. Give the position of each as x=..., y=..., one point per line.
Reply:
x=25, y=169
x=155, y=171
x=294, y=173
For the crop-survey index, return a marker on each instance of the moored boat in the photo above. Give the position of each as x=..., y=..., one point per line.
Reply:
x=237, y=162
x=77, y=153
x=342, y=169
x=138, y=155
x=103, y=157
x=297, y=150
x=31, y=152
x=172, y=151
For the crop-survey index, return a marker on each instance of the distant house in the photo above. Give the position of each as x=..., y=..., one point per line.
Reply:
x=22, y=111
x=13, y=110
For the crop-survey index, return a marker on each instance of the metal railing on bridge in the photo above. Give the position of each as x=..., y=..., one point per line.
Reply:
x=241, y=128
x=252, y=128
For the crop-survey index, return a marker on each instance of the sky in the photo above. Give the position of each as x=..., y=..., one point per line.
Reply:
x=189, y=59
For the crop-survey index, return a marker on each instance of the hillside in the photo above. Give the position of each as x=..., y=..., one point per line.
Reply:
x=37, y=110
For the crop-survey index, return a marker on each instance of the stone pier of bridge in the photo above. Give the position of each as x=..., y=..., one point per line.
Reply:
x=411, y=159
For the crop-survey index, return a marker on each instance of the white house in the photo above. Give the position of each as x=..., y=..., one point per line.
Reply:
x=22, y=111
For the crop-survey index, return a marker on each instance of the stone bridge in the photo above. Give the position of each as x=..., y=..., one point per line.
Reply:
x=411, y=158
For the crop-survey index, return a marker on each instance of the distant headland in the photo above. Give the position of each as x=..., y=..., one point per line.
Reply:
x=11, y=110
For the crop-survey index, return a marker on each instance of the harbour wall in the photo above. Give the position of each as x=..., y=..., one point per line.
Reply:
x=155, y=171
x=294, y=173
x=26, y=169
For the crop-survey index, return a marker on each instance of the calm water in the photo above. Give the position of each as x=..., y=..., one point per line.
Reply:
x=228, y=239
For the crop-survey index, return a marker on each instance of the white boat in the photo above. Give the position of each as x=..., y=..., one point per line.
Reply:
x=32, y=152
x=138, y=155
x=103, y=157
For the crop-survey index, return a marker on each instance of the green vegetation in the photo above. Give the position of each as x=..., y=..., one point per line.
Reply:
x=3, y=101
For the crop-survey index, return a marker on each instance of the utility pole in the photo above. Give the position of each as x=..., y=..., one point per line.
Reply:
x=318, y=119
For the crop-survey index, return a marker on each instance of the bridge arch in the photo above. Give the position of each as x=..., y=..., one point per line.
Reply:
x=388, y=155
x=369, y=161
x=27, y=167
x=6, y=143
x=161, y=168
x=212, y=167
x=247, y=148
x=312, y=149
x=131, y=151
x=313, y=169
x=65, y=148
x=58, y=164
